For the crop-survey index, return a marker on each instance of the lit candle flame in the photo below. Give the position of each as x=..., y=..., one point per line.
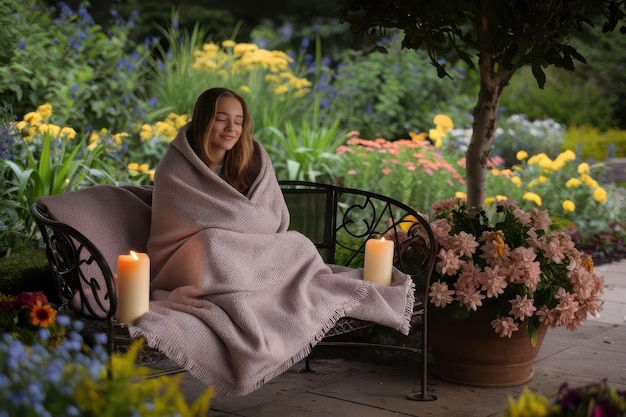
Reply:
x=134, y=255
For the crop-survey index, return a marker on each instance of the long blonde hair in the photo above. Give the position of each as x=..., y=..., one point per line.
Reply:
x=238, y=170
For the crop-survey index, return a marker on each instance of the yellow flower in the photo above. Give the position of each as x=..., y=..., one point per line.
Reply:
x=146, y=132
x=532, y=197
x=407, y=222
x=94, y=140
x=535, y=159
x=45, y=110
x=144, y=167
x=573, y=183
x=228, y=43
x=443, y=122
x=118, y=138
x=529, y=405
x=133, y=166
x=569, y=206
x=583, y=168
x=588, y=181
x=417, y=137
x=557, y=164
x=521, y=155
x=32, y=118
x=436, y=136
x=489, y=201
x=517, y=181
x=68, y=133
x=460, y=194
x=244, y=89
x=52, y=130
x=567, y=156
x=281, y=89
x=600, y=195
x=546, y=164
x=501, y=197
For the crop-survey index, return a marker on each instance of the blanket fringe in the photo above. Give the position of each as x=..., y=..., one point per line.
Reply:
x=405, y=326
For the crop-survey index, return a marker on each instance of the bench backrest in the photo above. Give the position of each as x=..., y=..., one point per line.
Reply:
x=83, y=242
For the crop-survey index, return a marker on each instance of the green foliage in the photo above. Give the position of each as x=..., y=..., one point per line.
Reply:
x=26, y=270
x=515, y=34
x=389, y=95
x=45, y=159
x=605, y=66
x=569, y=98
x=91, y=76
x=517, y=133
x=307, y=152
x=595, y=144
x=174, y=82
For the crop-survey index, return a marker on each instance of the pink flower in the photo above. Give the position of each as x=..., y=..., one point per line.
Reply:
x=440, y=295
x=465, y=244
x=472, y=300
x=541, y=218
x=504, y=326
x=468, y=278
x=522, y=307
x=493, y=281
x=386, y=171
x=547, y=316
x=553, y=251
x=449, y=263
x=441, y=228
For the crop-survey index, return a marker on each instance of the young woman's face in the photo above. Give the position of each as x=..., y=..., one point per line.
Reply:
x=227, y=127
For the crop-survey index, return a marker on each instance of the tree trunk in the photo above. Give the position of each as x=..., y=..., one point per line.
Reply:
x=492, y=84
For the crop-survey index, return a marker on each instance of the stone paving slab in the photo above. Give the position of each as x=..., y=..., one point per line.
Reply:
x=341, y=387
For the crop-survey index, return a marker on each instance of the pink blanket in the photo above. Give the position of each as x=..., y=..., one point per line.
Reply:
x=238, y=299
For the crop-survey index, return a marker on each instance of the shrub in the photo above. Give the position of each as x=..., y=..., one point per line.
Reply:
x=569, y=98
x=92, y=77
x=412, y=171
x=517, y=132
x=45, y=159
x=564, y=186
x=389, y=95
x=595, y=144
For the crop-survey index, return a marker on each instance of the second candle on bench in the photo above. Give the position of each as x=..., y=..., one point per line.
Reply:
x=378, y=263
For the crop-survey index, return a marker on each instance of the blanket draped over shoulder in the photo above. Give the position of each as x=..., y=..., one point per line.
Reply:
x=242, y=299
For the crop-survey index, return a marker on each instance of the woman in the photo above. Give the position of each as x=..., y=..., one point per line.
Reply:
x=238, y=298
x=220, y=134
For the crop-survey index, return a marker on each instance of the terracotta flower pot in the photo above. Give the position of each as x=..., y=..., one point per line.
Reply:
x=470, y=352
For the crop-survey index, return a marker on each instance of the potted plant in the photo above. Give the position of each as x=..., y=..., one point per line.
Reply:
x=502, y=278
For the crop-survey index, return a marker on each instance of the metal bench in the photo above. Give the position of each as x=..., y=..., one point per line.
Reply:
x=338, y=220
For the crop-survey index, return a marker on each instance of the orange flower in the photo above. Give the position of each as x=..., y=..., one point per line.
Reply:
x=42, y=315
x=587, y=264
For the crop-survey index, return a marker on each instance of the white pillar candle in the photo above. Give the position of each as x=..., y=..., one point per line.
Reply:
x=133, y=286
x=378, y=261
